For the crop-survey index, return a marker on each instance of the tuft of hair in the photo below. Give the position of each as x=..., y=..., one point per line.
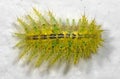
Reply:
x=50, y=40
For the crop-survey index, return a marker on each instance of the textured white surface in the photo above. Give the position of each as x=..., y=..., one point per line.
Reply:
x=104, y=65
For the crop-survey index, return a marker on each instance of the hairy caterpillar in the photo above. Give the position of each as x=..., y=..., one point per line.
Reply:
x=51, y=40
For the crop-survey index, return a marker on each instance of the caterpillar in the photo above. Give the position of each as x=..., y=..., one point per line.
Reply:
x=51, y=40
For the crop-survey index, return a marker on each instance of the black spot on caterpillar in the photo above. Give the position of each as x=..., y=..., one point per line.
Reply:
x=49, y=40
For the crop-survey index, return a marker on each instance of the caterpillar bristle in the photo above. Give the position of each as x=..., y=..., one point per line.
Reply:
x=51, y=40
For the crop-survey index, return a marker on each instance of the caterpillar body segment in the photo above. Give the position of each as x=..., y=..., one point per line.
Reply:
x=50, y=40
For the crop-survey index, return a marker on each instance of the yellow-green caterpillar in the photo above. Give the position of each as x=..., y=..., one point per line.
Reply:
x=50, y=40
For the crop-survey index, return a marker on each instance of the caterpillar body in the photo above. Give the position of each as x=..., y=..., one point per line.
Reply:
x=51, y=40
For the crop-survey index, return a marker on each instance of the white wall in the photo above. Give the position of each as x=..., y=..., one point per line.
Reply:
x=104, y=65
